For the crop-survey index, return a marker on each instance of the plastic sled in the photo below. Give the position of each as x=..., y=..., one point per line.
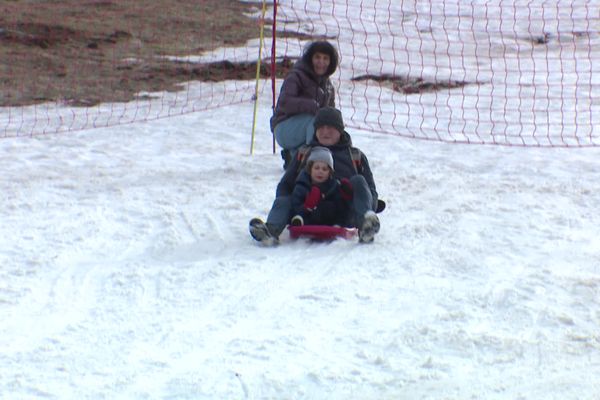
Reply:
x=321, y=232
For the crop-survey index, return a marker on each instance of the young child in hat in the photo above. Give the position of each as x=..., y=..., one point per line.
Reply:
x=318, y=198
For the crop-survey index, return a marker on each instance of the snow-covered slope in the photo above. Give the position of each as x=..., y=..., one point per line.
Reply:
x=126, y=271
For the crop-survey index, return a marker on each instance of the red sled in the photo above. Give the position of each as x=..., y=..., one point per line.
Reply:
x=321, y=232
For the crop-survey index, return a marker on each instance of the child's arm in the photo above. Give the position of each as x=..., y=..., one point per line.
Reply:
x=301, y=190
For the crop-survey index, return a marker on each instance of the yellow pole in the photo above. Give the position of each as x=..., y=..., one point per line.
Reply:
x=258, y=63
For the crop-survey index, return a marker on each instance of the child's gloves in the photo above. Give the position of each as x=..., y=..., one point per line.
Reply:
x=313, y=198
x=346, y=189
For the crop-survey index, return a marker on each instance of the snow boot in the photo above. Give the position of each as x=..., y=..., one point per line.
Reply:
x=260, y=232
x=369, y=228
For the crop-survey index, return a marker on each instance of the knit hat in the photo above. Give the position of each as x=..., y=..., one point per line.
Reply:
x=320, y=153
x=329, y=116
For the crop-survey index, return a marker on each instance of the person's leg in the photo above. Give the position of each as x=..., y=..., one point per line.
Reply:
x=309, y=129
x=293, y=132
x=279, y=216
x=362, y=199
x=362, y=203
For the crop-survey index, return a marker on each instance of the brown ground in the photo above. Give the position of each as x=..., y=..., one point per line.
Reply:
x=82, y=52
x=77, y=51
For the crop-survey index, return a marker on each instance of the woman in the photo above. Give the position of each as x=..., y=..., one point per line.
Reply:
x=306, y=89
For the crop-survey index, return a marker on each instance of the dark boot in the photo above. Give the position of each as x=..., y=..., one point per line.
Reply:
x=260, y=232
x=369, y=227
x=286, y=155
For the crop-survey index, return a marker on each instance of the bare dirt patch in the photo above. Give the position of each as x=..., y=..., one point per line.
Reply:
x=408, y=85
x=83, y=52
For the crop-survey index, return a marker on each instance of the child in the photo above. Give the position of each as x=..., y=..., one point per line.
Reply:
x=318, y=198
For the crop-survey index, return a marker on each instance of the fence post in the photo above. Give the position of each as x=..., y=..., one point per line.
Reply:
x=258, y=64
